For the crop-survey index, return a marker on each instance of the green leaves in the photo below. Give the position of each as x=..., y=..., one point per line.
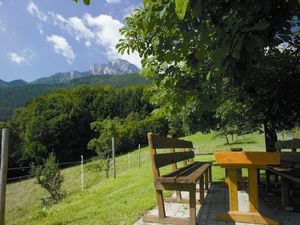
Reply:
x=86, y=2
x=181, y=8
x=260, y=26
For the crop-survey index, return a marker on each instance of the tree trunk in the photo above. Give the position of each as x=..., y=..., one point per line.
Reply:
x=270, y=137
x=227, y=141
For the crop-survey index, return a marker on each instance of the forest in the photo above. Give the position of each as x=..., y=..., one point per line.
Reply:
x=13, y=97
x=69, y=123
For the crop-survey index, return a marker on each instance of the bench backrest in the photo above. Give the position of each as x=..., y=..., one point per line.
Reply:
x=163, y=159
x=288, y=144
x=289, y=157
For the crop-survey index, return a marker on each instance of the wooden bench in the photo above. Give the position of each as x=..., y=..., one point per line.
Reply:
x=180, y=179
x=287, y=171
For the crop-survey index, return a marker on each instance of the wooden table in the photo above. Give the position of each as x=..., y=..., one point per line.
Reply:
x=234, y=161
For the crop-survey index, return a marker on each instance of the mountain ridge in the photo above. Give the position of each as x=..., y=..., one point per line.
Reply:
x=117, y=67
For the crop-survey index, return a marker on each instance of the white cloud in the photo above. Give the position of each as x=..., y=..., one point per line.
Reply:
x=2, y=26
x=107, y=34
x=102, y=30
x=75, y=27
x=23, y=57
x=61, y=46
x=33, y=9
x=1, y=3
x=112, y=1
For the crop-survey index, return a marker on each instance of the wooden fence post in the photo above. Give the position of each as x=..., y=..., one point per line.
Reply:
x=113, y=156
x=82, y=180
x=3, y=173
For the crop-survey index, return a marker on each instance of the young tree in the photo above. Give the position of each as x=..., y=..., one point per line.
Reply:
x=50, y=178
x=106, y=129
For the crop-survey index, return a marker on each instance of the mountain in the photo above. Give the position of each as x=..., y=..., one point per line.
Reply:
x=116, y=67
x=13, y=83
x=59, y=78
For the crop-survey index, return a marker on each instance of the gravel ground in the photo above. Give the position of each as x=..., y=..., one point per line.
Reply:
x=216, y=202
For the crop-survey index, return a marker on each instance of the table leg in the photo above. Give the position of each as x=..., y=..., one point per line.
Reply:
x=233, y=189
x=253, y=190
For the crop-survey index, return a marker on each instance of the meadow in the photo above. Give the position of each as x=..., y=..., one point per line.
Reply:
x=109, y=201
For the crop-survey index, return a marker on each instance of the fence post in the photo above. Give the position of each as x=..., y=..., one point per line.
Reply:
x=113, y=156
x=3, y=173
x=82, y=180
x=139, y=155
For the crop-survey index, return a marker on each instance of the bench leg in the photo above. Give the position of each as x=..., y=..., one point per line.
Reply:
x=206, y=180
x=285, y=198
x=210, y=174
x=178, y=196
x=160, y=204
x=201, y=191
x=268, y=182
x=193, y=215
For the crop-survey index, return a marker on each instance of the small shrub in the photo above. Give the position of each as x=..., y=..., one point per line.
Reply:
x=50, y=178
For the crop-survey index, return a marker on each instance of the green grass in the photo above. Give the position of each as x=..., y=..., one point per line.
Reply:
x=107, y=201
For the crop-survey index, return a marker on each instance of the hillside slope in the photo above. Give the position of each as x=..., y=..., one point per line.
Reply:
x=106, y=201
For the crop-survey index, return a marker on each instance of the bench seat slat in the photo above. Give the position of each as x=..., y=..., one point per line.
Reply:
x=188, y=174
x=284, y=174
x=171, y=177
x=194, y=176
x=165, y=159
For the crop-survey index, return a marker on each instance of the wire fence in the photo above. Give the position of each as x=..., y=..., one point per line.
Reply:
x=93, y=169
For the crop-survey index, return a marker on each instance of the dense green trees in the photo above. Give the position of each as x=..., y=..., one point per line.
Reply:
x=61, y=122
x=17, y=96
x=199, y=51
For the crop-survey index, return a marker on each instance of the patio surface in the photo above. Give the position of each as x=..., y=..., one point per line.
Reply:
x=216, y=202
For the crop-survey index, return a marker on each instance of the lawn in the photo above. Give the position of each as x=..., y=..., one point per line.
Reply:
x=107, y=201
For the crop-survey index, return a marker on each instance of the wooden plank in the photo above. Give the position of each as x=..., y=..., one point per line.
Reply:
x=193, y=213
x=288, y=144
x=174, y=187
x=201, y=190
x=290, y=157
x=285, y=198
x=246, y=217
x=3, y=172
x=160, y=204
x=210, y=174
x=166, y=220
x=233, y=189
x=194, y=176
x=170, y=158
x=247, y=159
x=284, y=174
x=171, y=177
x=174, y=167
x=152, y=152
x=165, y=142
x=206, y=179
x=253, y=190
x=183, y=200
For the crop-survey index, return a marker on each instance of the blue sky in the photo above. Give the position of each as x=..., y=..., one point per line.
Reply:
x=39, y=38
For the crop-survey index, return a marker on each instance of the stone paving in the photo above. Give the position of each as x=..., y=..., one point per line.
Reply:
x=216, y=202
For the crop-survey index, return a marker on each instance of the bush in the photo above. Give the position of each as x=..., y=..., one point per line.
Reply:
x=50, y=178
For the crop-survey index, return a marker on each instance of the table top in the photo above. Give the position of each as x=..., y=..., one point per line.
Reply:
x=246, y=159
